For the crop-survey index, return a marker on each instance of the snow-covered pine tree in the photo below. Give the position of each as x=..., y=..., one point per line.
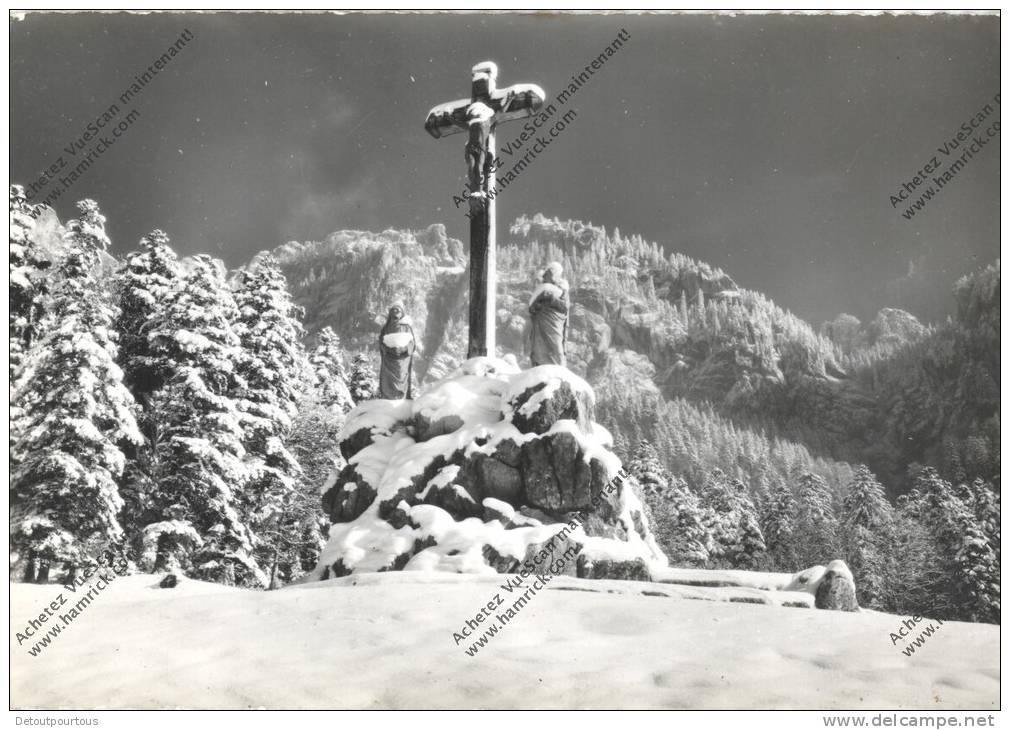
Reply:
x=748, y=550
x=314, y=443
x=737, y=541
x=621, y=445
x=27, y=279
x=74, y=414
x=165, y=544
x=953, y=464
x=652, y=481
x=327, y=361
x=760, y=487
x=970, y=576
x=719, y=506
x=987, y=506
x=677, y=514
x=977, y=574
x=199, y=456
x=921, y=575
x=865, y=504
x=146, y=284
x=930, y=501
x=867, y=517
x=816, y=530
x=915, y=570
x=690, y=538
x=363, y=386
x=646, y=467
x=778, y=520
x=272, y=366
x=27, y=288
x=870, y=556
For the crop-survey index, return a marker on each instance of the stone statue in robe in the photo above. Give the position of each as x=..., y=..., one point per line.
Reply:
x=396, y=347
x=549, y=318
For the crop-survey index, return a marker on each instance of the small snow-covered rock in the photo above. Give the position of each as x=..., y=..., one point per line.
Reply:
x=448, y=404
x=544, y=395
x=613, y=569
x=559, y=556
x=495, y=509
x=836, y=590
x=501, y=563
x=453, y=498
x=369, y=420
x=349, y=500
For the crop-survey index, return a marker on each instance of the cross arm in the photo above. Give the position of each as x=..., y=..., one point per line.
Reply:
x=517, y=102
x=448, y=118
x=514, y=102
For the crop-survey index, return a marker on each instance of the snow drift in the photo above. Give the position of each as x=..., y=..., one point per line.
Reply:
x=385, y=641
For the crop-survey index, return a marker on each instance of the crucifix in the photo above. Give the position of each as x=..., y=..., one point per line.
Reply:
x=478, y=116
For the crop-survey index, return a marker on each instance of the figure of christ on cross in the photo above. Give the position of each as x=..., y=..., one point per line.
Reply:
x=486, y=108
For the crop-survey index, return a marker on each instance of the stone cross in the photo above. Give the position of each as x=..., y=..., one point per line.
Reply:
x=486, y=108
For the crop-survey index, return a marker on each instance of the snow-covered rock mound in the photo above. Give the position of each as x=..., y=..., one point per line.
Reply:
x=479, y=474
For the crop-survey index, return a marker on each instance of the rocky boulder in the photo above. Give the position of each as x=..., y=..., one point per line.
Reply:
x=368, y=421
x=347, y=496
x=833, y=587
x=547, y=394
x=613, y=569
x=481, y=473
x=557, y=477
x=836, y=590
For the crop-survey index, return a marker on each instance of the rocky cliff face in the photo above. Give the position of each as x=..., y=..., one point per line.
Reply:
x=349, y=280
x=664, y=325
x=622, y=302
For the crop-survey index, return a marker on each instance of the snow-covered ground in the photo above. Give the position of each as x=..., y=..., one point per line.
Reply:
x=386, y=641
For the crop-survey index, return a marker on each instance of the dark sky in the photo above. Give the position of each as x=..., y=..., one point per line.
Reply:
x=766, y=145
